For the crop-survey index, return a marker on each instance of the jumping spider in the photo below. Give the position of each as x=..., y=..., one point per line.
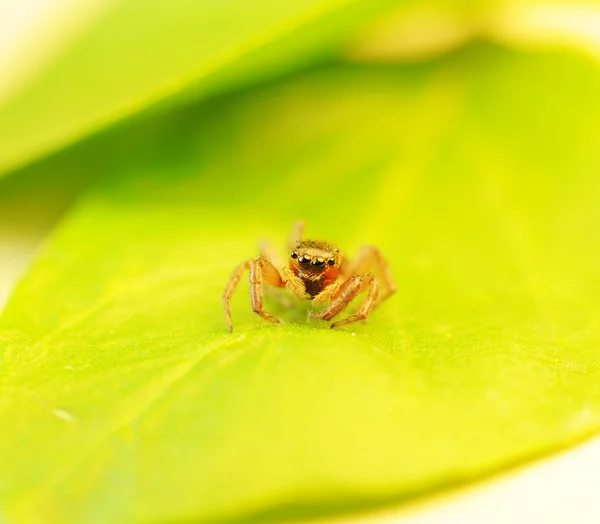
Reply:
x=316, y=271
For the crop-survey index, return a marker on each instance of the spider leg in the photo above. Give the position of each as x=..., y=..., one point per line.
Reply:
x=229, y=290
x=261, y=270
x=327, y=295
x=366, y=307
x=297, y=232
x=369, y=258
x=350, y=288
x=271, y=255
x=267, y=251
x=286, y=276
x=293, y=283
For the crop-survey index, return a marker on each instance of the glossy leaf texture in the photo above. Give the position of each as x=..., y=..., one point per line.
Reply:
x=124, y=398
x=132, y=56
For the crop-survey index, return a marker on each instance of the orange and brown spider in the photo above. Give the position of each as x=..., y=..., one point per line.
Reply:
x=316, y=271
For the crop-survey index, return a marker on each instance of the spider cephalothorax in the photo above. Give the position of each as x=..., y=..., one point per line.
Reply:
x=315, y=271
x=316, y=263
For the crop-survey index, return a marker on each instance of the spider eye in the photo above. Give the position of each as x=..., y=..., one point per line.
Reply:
x=318, y=262
x=304, y=260
x=331, y=261
x=294, y=254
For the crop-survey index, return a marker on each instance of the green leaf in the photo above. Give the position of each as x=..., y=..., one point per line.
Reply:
x=137, y=54
x=125, y=399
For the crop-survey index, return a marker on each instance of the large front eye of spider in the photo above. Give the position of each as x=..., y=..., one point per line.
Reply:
x=304, y=261
x=318, y=262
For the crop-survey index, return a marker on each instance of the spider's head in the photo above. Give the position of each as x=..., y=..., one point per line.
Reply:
x=313, y=258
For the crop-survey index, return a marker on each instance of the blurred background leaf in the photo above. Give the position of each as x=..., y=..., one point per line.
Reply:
x=135, y=54
x=96, y=63
x=477, y=180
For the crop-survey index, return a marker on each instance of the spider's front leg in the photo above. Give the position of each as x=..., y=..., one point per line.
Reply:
x=261, y=270
x=328, y=294
x=297, y=233
x=231, y=286
x=348, y=292
x=367, y=306
x=369, y=259
x=293, y=283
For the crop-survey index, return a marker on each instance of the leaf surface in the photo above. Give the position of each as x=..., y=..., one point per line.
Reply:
x=125, y=399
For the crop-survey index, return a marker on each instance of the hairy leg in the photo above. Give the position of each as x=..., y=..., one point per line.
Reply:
x=289, y=280
x=231, y=286
x=267, y=251
x=271, y=255
x=297, y=232
x=366, y=307
x=261, y=270
x=349, y=289
x=370, y=258
x=328, y=294
x=293, y=283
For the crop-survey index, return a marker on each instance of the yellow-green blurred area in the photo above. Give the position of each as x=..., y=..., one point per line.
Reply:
x=151, y=148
